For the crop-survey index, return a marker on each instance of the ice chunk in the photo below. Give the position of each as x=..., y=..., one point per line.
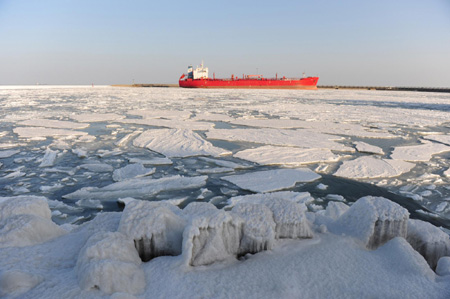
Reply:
x=289, y=218
x=288, y=156
x=439, y=138
x=154, y=227
x=8, y=153
x=154, y=161
x=15, y=282
x=443, y=266
x=52, y=123
x=97, y=167
x=321, y=187
x=272, y=180
x=177, y=143
x=138, y=187
x=49, y=158
x=363, y=147
x=374, y=221
x=335, y=197
x=212, y=237
x=80, y=152
x=24, y=204
x=447, y=173
x=96, y=117
x=214, y=170
x=328, y=216
x=158, y=113
x=370, y=167
x=299, y=138
x=422, y=152
x=170, y=123
x=131, y=171
x=26, y=230
x=37, y=132
x=259, y=228
x=108, y=245
x=428, y=240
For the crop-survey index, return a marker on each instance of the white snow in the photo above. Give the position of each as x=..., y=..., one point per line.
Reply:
x=177, y=143
x=286, y=156
x=132, y=171
x=371, y=167
x=272, y=180
x=138, y=187
x=373, y=220
x=15, y=282
x=363, y=147
x=422, y=152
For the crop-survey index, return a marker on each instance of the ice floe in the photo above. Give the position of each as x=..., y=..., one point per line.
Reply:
x=132, y=171
x=300, y=138
x=371, y=167
x=39, y=132
x=422, y=152
x=368, y=148
x=8, y=153
x=52, y=123
x=298, y=197
x=143, y=187
x=272, y=180
x=96, y=117
x=287, y=156
x=439, y=138
x=177, y=143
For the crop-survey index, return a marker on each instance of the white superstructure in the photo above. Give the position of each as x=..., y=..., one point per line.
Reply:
x=199, y=73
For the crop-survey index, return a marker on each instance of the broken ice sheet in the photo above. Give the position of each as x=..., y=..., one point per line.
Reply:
x=177, y=143
x=272, y=180
x=370, y=167
x=286, y=156
x=421, y=152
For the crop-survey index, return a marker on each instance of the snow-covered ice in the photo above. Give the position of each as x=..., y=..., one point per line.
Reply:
x=422, y=152
x=368, y=148
x=177, y=143
x=286, y=156
x=132, y=171
x=371, y=167
x=428, y=240
x=374, y=221
x=272, y=180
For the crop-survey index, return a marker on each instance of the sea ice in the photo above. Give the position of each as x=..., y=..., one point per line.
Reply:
x=287, y=156
x=38, y=132
x=49, y=158
x=52, y=123
x=154, y=227
x=96, y=117
x=428, y=240
x=8, y=153
x=422, y=152
x=373, y=220
x=300, y=138
x=24, y=204
x=170, y=123
x=196, y=209
x=138, y=187
x=177, y=143
x=439, y=138
x=211, y=237
x=132, y=171
x=363, y=147
x=371, y=167
x=272, y=180
x=153, y=161
x=301, y=198
x=259, y=228
x=158, y=113
x=97, y=167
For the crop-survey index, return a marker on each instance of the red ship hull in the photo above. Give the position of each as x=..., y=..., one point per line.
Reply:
x=303, y=83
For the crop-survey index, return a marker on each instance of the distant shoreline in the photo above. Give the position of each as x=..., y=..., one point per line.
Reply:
x=423, y=89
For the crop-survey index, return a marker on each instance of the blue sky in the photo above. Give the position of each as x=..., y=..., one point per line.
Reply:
x=393, y=43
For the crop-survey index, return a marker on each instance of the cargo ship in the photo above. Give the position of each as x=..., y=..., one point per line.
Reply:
x=198, y=78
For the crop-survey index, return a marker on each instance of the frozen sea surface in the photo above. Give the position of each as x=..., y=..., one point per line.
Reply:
x=69, y=144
